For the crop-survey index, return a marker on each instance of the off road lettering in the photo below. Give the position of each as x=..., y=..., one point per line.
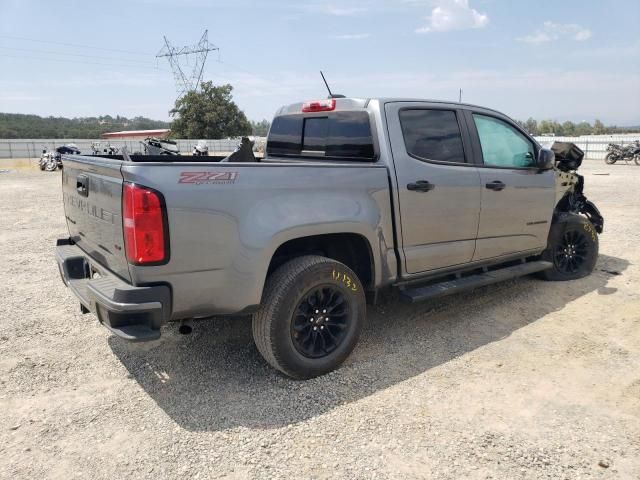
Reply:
x=199, y=178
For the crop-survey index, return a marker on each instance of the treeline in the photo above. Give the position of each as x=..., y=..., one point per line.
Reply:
x=16, y=125
x=571, y=129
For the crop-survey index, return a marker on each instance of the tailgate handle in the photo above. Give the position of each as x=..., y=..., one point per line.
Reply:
x=82, y=185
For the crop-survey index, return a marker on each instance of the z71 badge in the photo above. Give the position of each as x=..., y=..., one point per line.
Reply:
x=200, y=178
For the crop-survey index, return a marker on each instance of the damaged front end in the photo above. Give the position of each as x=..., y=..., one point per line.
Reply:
x=570, y=185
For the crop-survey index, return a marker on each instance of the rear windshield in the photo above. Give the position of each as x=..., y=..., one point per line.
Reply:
x=338, y=135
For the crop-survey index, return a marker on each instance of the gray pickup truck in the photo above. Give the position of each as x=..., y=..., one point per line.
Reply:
x=353, y=196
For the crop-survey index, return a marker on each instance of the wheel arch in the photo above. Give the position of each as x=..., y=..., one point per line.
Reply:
x=352, y=249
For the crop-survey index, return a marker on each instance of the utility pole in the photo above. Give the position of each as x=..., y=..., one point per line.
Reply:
x=460, y=96
x=186, y=82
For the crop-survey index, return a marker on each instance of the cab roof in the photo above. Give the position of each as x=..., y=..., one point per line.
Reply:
x=362, y=103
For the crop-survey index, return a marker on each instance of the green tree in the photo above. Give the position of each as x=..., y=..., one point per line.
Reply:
x=598, y=128
x=209, y=113
x=531, y=126
x=568, y=128
x=545, y=127
x=260, y=129
x=583, y=128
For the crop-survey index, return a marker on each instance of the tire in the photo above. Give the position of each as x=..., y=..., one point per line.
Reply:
x=51, y=165
x=287, y=316
x=610, y=159
x=637, y=159
x=572, y=248
x=41, y=165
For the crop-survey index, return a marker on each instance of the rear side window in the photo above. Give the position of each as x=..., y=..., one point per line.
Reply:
x=339, y=135
x=432, y=135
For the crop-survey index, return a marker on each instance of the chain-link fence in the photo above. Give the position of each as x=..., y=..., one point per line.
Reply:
x=32, y=148
x=593, y=146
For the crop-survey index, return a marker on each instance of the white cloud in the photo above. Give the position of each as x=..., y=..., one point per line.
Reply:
x=551, y=32
x=449, y=15
x=351, y=36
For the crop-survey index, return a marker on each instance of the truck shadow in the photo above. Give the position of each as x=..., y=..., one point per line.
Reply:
x=215, y=379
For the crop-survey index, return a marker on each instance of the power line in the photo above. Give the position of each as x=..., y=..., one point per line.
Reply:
x=91, y=47
x=61, y=60
x=48, y=52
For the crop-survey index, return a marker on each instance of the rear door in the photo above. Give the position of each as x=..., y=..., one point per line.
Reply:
x=517, y=198
x=92, y=194
x=438, y=186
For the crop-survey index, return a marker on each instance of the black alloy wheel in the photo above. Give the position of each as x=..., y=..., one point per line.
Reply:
x=572, y=248
x=571, y=253
x=312, y=311
x=320, y=321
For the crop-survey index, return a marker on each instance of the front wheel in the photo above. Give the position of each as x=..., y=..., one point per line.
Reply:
x=51, y=165
x=311, y=316
x=572, y=248
x=610, y=159
x=637, y=159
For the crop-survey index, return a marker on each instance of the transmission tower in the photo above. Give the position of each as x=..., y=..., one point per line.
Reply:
x=190, y=80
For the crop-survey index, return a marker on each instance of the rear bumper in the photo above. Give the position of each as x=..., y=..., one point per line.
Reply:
x=132, y=313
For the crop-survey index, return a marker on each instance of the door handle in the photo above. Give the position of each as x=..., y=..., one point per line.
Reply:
x=420, y=186
x=496, y=185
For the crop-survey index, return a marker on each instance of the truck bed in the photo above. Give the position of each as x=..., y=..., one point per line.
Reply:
x=161, y=158
x=225, y=220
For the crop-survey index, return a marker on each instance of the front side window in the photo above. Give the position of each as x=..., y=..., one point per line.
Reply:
x=503, y=145
x=432, y=135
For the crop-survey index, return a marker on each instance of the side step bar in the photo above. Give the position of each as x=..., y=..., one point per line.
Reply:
x=418, y=294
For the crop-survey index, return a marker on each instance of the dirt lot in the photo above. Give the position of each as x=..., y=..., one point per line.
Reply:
x=526, y=379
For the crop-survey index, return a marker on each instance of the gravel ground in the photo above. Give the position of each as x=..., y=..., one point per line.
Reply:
x=526, y=379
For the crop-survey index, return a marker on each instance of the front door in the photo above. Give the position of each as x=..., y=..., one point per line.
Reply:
x=438, y=188
x=517, y=198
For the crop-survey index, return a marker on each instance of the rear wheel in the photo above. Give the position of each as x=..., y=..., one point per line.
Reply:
x=572, y=248
x=609, y=159
x=312, y=312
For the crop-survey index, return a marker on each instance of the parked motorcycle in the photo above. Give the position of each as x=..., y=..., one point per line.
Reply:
x=617, y=152
x=201, y=149
x=108, y=149
x=157, y=146
x=111, y=150
x=635, y=151
x=48, y=160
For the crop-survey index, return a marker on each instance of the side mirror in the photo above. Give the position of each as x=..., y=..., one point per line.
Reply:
x=546, y=159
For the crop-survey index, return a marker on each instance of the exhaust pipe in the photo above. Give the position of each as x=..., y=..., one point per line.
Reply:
x=186, y=326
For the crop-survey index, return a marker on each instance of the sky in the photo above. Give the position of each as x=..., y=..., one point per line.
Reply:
x=562, y=59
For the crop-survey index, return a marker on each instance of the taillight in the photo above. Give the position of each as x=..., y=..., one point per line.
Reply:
x=143, y=219
x=319, y=105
